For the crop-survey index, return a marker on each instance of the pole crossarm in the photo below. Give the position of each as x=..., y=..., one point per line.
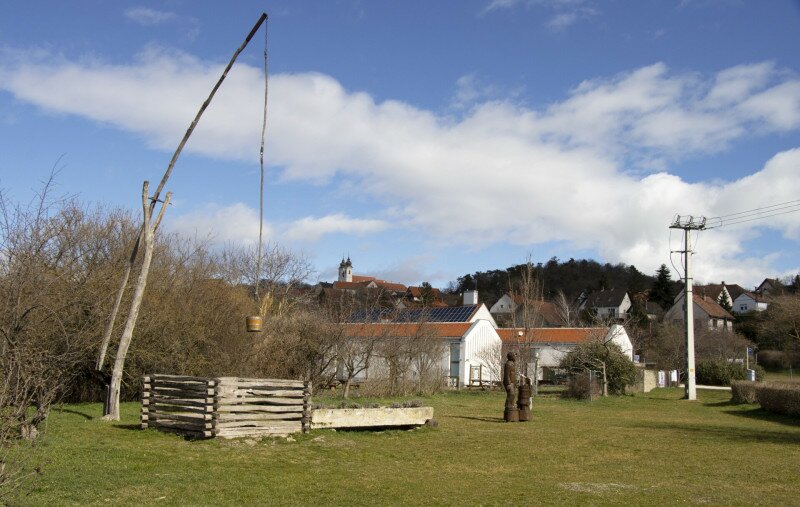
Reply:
x=688, y=222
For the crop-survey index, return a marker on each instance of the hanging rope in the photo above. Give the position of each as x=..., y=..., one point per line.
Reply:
x=261, y=159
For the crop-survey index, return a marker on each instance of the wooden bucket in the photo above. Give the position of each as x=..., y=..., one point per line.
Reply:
x=254, y=324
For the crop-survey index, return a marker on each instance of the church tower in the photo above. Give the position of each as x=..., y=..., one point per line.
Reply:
x=346, y=270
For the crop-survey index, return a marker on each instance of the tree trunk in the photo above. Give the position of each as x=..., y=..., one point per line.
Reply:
x=605, y=381
x=111, y=412
x=127, y=334
x=346, y=392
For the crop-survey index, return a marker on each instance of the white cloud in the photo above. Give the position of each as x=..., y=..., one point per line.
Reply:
x=501, y=173
x=236, y=223
x=565, y=12
x=148, y=17
x=309, y=229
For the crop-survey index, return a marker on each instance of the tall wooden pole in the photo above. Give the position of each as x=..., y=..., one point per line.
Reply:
x=134, y=253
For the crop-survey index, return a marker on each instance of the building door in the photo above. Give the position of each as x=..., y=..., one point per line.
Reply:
x=455, y=357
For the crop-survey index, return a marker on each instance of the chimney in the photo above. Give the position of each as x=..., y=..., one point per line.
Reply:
x=471, y=297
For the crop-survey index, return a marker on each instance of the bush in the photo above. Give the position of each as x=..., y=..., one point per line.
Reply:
x=743, y=391
x=780, y=398
x=620, y=370
x=713, y=373
x=723, y=373
x=578, y=388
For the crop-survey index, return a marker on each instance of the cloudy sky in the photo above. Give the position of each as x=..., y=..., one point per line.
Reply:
x=425, y=139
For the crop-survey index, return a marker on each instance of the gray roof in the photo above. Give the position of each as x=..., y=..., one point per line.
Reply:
x=606, y=298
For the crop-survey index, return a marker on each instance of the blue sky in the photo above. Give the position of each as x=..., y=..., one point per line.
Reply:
x=424, y=139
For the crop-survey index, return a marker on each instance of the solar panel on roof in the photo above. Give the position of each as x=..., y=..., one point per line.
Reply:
x=447, y=314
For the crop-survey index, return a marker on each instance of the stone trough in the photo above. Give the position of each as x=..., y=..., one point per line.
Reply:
x=384, y=417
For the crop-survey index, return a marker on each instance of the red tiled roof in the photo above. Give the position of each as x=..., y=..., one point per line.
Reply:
x=351, y=285
x=359, y=278
x=394, y=287
x=397, y=287
x=552, y=334
x=401, y=330
x=711, y=307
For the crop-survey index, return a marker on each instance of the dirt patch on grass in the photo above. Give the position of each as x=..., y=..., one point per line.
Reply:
x=596, y=487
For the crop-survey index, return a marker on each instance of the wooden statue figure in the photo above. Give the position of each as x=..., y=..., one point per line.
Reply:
x=524, y=400
x=511, y=413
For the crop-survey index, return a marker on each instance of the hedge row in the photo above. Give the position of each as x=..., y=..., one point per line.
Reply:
x=723, y=373
x=777, y=397
x=743, y=391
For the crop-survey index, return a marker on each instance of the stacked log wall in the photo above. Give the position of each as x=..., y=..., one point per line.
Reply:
x=227, y=407
x=179, y=404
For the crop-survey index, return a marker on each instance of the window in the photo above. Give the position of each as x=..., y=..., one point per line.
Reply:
x=716, y=323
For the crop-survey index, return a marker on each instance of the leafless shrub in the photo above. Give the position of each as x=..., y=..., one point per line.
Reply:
x=743, y=391
x=780, y=398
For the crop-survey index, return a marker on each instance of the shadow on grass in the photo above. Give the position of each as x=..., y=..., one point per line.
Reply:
x=727, y=403
x=762, y=415
x=76, y=412
x=727, y=432
x=129, y=427
x=482, y=419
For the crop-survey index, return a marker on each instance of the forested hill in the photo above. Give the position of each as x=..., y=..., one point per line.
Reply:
x=572, y=277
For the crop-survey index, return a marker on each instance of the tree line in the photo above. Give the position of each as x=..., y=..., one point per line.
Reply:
x=572, y=277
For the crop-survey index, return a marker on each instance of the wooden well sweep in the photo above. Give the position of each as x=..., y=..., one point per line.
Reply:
x=227, y=407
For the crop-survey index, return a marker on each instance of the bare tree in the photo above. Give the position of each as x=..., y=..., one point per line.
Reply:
x=567, y=311
x=282, y=273
x=354, y=354
x=54, y=271
x=427, y=349
x=528, y=314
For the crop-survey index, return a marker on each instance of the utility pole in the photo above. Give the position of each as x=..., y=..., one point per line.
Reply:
x=689, y=223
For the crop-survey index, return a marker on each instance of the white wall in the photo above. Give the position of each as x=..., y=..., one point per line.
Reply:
x=504, y=305
x=478, y=345
x=745, y=303
x=483, y=314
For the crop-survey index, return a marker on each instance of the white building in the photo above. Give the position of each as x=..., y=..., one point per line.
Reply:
x=608, y=304
x=552, y=344
x=471, y=344
x=749, y=302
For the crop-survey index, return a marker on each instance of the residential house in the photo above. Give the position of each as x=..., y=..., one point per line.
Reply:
x=770, y=286
x=708, y=314
x=716, y=291
x=749, y=302
x=509, y=310
x=552, y=344
x=470, y=351
x=608, y=304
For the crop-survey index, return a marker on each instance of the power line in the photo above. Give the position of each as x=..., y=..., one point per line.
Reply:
x=751, y=216
x=796, y=202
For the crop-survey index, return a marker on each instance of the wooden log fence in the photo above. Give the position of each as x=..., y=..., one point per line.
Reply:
x=225, y=407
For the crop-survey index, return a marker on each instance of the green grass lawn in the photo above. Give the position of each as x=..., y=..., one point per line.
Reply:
x=644, y=449
x=783, y=376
